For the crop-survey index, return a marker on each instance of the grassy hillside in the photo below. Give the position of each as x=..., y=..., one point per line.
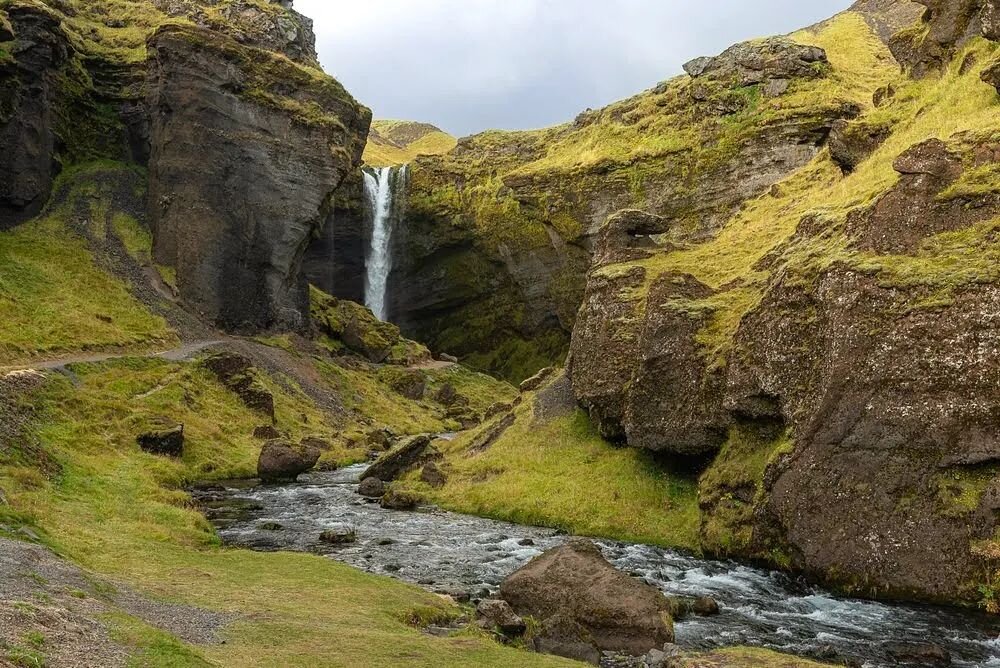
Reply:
x=401, y=142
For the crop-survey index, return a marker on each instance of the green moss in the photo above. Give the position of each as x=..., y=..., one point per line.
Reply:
x=736, y=474
x=54, y=298
x=122, y=513
x=560, y=473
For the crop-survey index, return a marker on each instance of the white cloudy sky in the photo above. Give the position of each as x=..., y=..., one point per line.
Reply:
x=469, y=65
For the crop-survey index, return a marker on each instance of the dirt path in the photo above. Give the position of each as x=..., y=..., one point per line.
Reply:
x=177, y=354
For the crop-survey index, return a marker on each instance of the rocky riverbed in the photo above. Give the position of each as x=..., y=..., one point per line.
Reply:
x=468, y=556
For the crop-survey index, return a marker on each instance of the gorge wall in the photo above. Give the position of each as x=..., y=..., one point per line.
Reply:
x=222, y=101
x=830, y=352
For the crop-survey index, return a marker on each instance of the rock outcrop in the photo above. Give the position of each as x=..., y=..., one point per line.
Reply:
x=234, y=217
x=586, y=606
x=415, y=452
x=29, y=93
x=165, y=437
x=944, y=27
x=281, y=461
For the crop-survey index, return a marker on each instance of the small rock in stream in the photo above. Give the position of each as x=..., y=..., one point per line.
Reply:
x=339, y=536
x=371, y=488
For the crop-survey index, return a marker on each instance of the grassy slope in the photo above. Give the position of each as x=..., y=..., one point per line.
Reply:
x=120, y=512
x=560, y=473
x=400, y=142
x=54, y=300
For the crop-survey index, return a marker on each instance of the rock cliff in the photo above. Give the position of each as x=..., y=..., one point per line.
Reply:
x=246, y=141
x=829, y=350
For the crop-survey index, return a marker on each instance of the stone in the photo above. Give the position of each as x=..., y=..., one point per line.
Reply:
x=562, y=635
x=851, y=142
x=381, y=438
x=627, y=235
x=433, y=475
x=354, y=325
x=497, y=614
x=280, y=461
x=577, y=590
x=760, y=61
x=919, y=653
x=399, y=500
x=166, y=437
x=491, y=433
x=409, y=383
x=371, y=488
x=447, y=395
x=240, y=266
x=705, y=606
x=414, y=452
x=341, y=535
x=445, y=357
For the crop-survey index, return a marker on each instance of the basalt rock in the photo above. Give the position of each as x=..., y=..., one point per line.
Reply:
x=851, y=142
x=761, y=61
x=917, y=207
x=280, y=461
x=234, y=217
x=945, y=25
x=371, y=488
x=286, y=32
x=28, y=93
x=588, y=604
x=628, y=235
x=415, y=452
x=880, y=397
x=395, y=499
x=164, y=438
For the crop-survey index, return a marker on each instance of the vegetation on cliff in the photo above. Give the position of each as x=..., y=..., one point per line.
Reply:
x=402, y=142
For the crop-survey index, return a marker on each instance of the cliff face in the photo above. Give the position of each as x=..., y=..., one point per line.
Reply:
x=245, y=140
x=829, y=350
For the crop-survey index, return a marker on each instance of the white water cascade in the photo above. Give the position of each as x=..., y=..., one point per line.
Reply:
x=383, y=185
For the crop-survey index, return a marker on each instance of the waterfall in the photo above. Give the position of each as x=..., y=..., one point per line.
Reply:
x=383, y=186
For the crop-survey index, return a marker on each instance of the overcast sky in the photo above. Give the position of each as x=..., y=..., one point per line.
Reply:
x=470, y=65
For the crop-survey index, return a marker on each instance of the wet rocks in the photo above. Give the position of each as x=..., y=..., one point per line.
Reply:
x=414, y=452
x=280, y=461
x=919, y=653
x=371, y=488
x=239, y=375
x=497, y=614
x=340, y=535
x=703, y=606
x=586, y=605
x=395, y=499
x=165, y=437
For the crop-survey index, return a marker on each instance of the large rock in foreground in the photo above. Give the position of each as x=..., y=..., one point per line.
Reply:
x=586, y=605
x=247, y=151
x=417, y=451
x=280, y=461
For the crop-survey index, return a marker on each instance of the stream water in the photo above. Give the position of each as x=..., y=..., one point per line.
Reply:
x=449, y=553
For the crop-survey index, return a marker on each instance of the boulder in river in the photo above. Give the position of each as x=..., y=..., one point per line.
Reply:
x=398, y=500
x=371, y=488
x=918, y=653
x=341, y=535
x=494, y=613
x=280, y=461
x=585, y=604
x=165, y=437
x=412, y=453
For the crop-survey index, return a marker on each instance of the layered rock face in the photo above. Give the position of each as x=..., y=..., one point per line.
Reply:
x=500, y=232
x=247, y=152
x=945, y=26
x=245, y=140
x=829, y=357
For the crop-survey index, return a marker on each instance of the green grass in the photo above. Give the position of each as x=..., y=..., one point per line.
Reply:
x=54, y=299
x=121, y=513
x=562, y=474
x=401, y=142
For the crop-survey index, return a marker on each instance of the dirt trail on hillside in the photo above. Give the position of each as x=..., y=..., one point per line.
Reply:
x=178, y=354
